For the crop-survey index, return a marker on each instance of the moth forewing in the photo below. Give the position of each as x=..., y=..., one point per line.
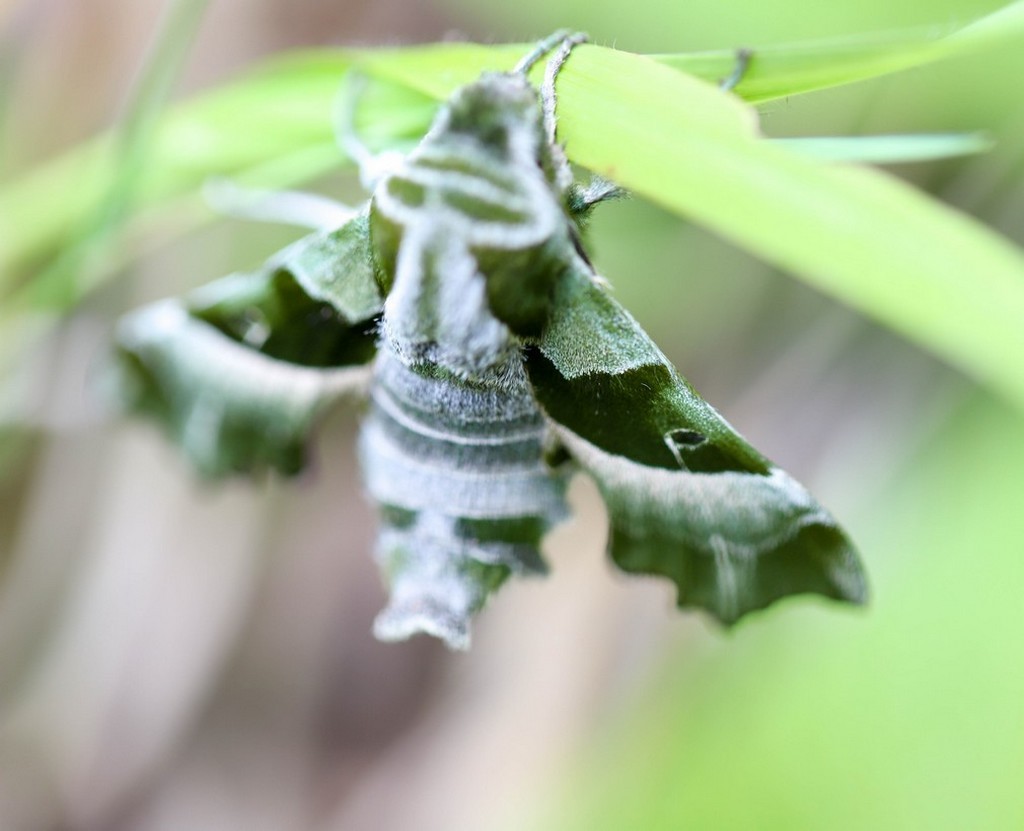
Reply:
x=231, y=408
x=731, y=542
x=240, y=370
x=687, y=497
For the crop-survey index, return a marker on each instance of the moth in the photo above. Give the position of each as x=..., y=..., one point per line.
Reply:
x=459, y=301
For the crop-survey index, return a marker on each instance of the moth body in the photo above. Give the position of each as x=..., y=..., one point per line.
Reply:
x=468, y=232
x=464, y=493
x=460, y=299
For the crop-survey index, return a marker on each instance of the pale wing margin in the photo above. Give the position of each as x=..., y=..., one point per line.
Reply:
x=240, y=370
x=687, y=497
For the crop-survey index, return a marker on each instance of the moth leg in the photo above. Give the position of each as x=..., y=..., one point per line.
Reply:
x=372, y=166
x=582, y=198
x=743, y=57
x=564, y=40
x=554, y=66
x=527, y=62
x=286, y=207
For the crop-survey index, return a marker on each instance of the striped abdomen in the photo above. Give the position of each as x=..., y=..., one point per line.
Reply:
x=464, y=493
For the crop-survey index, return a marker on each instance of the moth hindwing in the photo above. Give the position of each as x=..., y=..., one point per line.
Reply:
x=490, y=343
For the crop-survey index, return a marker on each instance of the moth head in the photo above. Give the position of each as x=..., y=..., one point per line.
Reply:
x=502, y=114
x=500, y=111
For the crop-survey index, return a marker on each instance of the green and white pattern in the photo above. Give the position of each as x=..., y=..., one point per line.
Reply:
x=497, y=364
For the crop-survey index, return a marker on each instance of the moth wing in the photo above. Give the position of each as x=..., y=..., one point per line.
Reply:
x=688, y=498
x=238, y=371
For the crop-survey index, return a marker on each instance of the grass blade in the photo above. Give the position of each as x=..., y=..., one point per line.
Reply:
x=887, y=149
x=933, y=274
x=785, y=70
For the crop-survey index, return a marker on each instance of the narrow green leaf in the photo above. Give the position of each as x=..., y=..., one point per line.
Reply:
x=775, y=71
x=1002, y=26
x=131, y=144
x=887, y=149
x=288, y=97
x=782, y=70
x=779, y=71
x=281, y=111
x=857, y=234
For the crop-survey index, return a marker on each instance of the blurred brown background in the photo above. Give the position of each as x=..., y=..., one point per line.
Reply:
x=178, y=656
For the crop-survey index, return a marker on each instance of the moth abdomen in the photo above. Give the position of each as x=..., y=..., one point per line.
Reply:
x=438, y=443
x=468, y=496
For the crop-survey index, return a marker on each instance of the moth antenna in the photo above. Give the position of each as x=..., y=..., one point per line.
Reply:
x=372, y=166
x=739, y=70
x=286, y=207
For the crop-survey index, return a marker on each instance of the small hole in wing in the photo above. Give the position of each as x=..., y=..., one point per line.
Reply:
x=686, y=438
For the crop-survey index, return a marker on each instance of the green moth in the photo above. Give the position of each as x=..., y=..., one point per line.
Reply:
x=460, y=302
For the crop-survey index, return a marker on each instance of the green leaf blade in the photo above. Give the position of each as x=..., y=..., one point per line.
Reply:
x=620, y=136
x=857, y=234
x=779, y=71
x=897, y=149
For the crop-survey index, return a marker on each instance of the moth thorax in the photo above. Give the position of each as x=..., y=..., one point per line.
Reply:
x=439, y=445
x=438, y=313
x=499, y=111
x=515, y=254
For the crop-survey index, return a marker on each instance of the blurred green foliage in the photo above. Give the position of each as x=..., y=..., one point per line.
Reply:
x=908, y=716
x=666, y=26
